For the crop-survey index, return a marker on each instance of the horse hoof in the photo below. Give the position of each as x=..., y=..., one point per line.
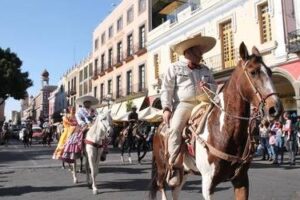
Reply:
x=75, y=181
x=95, y=192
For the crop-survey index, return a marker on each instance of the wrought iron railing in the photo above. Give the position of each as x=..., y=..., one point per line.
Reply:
x=217, y=62
x=294, y=41
x=173, y=16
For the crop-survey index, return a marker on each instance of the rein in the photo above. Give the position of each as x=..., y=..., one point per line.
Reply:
x=249, y=146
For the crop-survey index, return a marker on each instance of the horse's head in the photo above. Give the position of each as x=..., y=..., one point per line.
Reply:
x=255, y=84
x=107, y=122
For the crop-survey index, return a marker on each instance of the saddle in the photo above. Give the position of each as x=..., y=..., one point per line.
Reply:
x=195, y=125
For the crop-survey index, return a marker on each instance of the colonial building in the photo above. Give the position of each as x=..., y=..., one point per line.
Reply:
x=57, y=103
x=77, y=81
x=38, y=106
x=120, y=57
x=272, y=26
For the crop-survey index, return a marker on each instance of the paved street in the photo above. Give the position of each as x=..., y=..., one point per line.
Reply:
x=31, y=174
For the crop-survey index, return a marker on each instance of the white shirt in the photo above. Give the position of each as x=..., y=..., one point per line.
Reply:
x=180, y=83
x=82, y=115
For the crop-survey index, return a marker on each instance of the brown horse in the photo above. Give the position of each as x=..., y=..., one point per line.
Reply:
x=224, y=148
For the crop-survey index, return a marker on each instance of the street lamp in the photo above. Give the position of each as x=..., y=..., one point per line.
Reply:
x=108, y=99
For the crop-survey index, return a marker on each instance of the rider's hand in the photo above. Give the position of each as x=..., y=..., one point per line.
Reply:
x=202, y=84
x=166, y=117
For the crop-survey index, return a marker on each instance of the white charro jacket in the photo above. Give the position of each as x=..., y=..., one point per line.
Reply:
x=180, y=84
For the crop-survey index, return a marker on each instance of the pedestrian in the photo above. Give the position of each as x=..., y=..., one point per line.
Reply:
x=297, y=130
x=272, y=143
x=264, y=139
x=182, y=85
x=279, y=142
x=290, y=138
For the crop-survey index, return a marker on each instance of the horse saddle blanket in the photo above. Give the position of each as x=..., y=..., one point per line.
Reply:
x=195, y=124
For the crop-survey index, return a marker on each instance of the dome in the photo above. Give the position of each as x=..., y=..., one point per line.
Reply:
x=45, y=74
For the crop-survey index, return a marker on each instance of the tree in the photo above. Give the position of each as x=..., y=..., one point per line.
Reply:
x=13, y=82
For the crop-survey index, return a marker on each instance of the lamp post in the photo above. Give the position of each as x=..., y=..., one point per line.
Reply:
x=108, y=99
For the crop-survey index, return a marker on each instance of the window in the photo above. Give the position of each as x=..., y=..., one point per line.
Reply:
x=101, y=92
x=102, y=62
x=74, y=84
x=90, y=85
x=265, y=23
x=85, y=87
x=174, y=56
x=142, y=6
x=110, y=31
x=110, y=57
x=228, y=52
x=80, y=90
x=90, y=69
x=120, y=24
x=96, y=66
x=96, y=44
x=95, y=91
x=142, y=37
x=85, y=72
x=142, y=78
x=109, y=86
x=119, y=52
x=130, y=15
x=103, y=38
x=81, y=76
x=156, y=66
x=118, y=84
x=129, y=82
x=129, y=45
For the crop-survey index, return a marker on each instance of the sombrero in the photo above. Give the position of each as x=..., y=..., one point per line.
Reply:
x=206, y=43
x=89, y=98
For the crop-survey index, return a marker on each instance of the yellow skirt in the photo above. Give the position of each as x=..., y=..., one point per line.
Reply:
x=61, y=143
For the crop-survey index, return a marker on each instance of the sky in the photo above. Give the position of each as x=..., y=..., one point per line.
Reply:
x=49, y=34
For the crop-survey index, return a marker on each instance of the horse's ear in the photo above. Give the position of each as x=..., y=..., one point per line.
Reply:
x=243, y=51
x=255, y=51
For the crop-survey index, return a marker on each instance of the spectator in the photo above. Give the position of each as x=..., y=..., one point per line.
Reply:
x=264, y=139
x=290, y=138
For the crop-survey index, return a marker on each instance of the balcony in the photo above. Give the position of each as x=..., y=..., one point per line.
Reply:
x=294, y=41
x=141, y=49
x=119, y=61
x=217, y=63
x=136, y=90
x=102, y=72
x=173, y=9
x=72, y=92
x=95, y=75
x=128, y=55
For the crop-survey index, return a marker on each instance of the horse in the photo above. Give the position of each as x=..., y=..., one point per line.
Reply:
x=94, y=146
x=224, y=147
x=138, y=138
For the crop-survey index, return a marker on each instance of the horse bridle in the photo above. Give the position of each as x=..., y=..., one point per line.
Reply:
x=262, y=99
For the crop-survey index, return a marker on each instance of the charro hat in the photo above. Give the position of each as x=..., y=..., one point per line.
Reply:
x=206, y=43
x=89, y=98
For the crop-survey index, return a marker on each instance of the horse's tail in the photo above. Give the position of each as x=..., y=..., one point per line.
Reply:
x=153, y=185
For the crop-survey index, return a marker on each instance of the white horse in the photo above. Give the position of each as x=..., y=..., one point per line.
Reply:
x=94, y=140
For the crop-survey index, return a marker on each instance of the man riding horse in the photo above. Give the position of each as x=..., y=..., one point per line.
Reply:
x=179, y=92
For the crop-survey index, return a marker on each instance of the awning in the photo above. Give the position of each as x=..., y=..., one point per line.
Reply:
x=122, y=113
x=291, y=69
x=151, y=114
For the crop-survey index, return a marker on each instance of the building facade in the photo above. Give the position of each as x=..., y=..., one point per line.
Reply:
x=120, y=57
x=267, y=24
